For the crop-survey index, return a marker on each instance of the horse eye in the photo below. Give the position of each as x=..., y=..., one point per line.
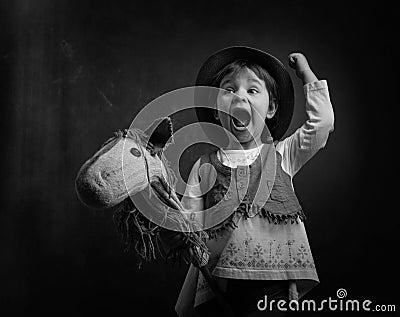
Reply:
x=135, y=152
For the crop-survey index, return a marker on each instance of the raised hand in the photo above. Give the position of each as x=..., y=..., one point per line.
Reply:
x=299, y=63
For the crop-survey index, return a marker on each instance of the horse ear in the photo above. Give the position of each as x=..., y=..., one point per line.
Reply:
x=160, y=132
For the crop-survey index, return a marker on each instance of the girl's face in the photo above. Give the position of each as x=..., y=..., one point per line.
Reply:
x=243, y=104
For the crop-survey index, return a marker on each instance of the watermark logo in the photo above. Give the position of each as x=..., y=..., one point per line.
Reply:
x=340, y=303
x=341, y=293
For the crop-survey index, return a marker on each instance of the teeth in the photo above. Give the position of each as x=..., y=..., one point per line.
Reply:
x=237, y=123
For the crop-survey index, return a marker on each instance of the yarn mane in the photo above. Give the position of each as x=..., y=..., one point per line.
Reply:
x=136, y=230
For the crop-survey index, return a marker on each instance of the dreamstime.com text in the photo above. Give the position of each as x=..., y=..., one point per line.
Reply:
x=339, y=304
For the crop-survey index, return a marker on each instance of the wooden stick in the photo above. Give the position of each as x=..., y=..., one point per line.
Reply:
x=222, y=301
x=217, y=291
x=162, y=188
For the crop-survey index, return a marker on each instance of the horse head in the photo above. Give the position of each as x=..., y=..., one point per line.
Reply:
x=125, y=164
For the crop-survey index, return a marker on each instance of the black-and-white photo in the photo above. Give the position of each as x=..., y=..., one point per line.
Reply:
x=209, y=158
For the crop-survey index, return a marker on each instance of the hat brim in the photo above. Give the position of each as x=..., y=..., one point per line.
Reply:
x=216, y=62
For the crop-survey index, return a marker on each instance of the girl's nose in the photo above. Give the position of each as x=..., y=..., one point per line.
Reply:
x=240, y=97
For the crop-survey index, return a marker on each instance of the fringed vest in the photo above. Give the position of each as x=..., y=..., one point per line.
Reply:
x=235, y=189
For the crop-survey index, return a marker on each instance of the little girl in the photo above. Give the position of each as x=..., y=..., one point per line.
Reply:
x=261, y=249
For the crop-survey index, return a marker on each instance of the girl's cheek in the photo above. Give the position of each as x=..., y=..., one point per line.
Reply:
x=224, y=101
x=224, y=119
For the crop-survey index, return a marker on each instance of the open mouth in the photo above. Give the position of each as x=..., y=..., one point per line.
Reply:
x=240, y=118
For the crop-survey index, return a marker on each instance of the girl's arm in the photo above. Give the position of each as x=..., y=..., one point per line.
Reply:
x=299, y=63
x=312, y=136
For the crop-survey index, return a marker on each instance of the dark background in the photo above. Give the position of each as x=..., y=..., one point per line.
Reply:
x=73, y=72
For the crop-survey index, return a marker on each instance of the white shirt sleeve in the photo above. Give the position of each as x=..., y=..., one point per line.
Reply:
x=192, y=199
x=312, y=136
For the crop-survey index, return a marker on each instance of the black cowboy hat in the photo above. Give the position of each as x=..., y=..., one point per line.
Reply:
x=271, y=64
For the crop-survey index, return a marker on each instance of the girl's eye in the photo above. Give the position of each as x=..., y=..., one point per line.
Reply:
x=229, y=89
x=253, y=91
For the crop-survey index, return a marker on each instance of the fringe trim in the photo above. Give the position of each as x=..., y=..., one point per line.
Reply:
x=245, y=210
x=293, y=217
x=219, y=230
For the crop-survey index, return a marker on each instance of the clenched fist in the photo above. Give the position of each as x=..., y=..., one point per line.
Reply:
x=299, y=63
